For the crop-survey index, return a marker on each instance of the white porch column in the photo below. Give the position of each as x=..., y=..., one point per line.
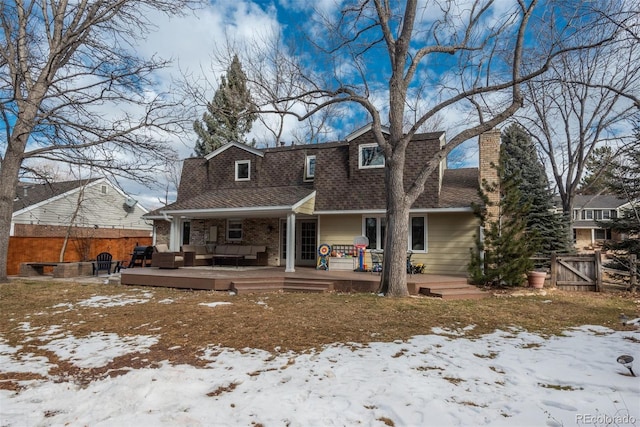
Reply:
x=174, y=234
x=291, y=243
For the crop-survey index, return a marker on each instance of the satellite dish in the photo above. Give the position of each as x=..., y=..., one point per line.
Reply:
x=130, y=203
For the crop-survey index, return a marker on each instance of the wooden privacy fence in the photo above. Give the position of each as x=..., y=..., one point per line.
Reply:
x=585, y=272
x=46, y=249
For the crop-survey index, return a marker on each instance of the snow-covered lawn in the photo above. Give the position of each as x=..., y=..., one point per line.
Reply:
x=442, y=378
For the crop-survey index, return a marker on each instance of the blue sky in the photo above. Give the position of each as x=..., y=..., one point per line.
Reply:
x=193, y=37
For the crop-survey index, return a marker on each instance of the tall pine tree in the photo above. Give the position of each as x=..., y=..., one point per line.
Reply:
x=229, y=115
x=526, y=224
x=624, y=180
x=548, y=230
x=506, y=247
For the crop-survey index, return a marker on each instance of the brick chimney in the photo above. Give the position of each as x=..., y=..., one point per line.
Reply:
x=489, y=149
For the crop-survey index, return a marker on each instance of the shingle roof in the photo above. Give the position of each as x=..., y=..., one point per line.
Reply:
x=254, y=197
x=459, y=188
x=28, y=194
x=277, y=178
x=601, y=201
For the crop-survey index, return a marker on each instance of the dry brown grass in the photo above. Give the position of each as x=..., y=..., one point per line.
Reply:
x=277, y=322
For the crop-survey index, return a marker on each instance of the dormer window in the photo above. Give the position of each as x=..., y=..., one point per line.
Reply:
x=310, y=168
x=370, y=156
x=243, y=170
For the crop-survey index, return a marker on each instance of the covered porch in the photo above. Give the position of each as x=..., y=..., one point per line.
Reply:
x=280, y=218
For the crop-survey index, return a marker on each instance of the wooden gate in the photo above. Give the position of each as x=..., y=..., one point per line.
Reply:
x=577, y=272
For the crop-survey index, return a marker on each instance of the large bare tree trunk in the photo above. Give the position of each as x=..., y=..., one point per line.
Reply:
x=394, y=274
x=9, y=179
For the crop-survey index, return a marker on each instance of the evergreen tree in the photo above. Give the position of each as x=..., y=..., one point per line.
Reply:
x=548, y=230
x=229, y=116
x=624, y=180
x=598, y=166
x=507, y=246
x=527, y=223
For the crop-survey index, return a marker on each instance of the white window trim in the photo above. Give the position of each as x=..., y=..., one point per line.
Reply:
x=378, y=229
x=243, y=162
x=307, y=162
x=360, y=165
x=409, y=237
x=426, y=235
x=234, y=221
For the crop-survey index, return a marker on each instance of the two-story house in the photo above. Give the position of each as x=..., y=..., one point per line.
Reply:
x=588, y=210
x=293, y=199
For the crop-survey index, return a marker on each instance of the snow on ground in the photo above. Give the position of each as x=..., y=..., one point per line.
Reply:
x=509, y=377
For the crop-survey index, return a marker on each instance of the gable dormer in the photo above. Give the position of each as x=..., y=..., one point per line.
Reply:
x=233, y=165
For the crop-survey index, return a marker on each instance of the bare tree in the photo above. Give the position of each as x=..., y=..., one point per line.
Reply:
x=584, y=102
x=172, y=172
x=72, y=90
x=468, y=57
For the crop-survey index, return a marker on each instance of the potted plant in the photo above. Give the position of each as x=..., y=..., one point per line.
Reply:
x=536, y=279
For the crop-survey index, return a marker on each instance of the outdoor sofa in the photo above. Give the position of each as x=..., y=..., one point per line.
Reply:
x=237, y=254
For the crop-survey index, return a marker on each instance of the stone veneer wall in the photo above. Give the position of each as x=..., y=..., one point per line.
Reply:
x=255, y=231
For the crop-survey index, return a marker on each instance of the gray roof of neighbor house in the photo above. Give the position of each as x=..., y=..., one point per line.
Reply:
x=277, y=179
x=600, y=201
x=28, y=194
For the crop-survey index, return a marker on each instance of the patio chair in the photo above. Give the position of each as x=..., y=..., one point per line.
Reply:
x=103, y=262
x=376, y=260
x=164, y=258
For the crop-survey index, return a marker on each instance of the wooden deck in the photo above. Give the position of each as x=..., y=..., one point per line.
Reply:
x=270, y=279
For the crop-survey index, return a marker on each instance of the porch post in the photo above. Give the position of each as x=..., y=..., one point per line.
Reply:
x=291, y=242
x=174, y=233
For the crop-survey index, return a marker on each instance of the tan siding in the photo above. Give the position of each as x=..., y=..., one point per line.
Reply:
x=307, y=207
x=450, y=235
x=340, y=229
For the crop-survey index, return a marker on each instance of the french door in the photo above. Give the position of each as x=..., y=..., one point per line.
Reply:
x=306, y=241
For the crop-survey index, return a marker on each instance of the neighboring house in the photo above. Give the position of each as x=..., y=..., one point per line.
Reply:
x=93, y=213
x=293, y=199
x=587, y=211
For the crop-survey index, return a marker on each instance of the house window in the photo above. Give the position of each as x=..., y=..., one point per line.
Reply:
x=374, y=229
x=418, y=234
x=614, y=213
x=597, y=214
x=587, y=214
x=186, y=232
x=576, y=214
x=370, y=156
x=103, y=189
x=606, y=214
x=310, y=168
x=234, y=230
x=243, y=170
x=602, y=234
